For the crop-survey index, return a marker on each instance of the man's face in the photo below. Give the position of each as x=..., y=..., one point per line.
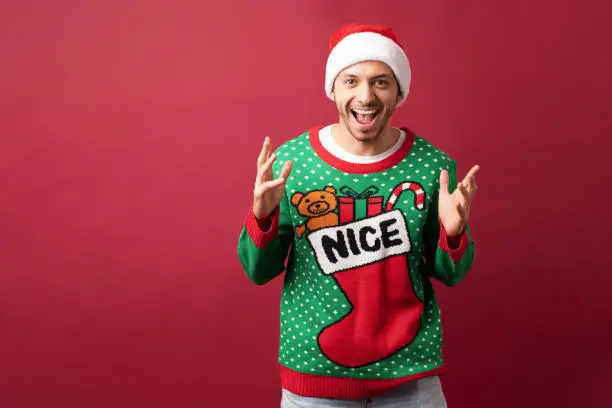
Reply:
x=365, y=95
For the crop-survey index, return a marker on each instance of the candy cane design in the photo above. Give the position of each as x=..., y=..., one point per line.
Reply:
x=416, y=188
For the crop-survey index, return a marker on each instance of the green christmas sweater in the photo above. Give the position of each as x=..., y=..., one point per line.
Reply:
x=359, y=245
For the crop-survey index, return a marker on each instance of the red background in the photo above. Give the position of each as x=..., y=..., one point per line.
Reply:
x=129, y=132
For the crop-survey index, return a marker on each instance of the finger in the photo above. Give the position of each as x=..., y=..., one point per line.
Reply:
x=286, y=170
x=269, y=148
x=444, y=182
x=471, y=174
x=463, y=212
x=269, y=185
x=463, y=197
x=265, y=171
x=263, y=154
x=471, y=187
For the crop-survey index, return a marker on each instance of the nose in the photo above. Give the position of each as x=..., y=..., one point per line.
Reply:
x=366, y=94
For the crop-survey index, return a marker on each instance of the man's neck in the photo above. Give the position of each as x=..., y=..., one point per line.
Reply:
x=383, y=142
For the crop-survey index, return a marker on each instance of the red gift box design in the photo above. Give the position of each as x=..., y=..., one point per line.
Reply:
x=346, y=204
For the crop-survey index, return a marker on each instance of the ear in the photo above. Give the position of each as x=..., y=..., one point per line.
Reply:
x=295, y=198
x=330, y=189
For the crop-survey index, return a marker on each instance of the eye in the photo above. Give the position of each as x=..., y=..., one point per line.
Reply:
x=307, y=200
x=322, y=197
x=382, y=83
x=350, y=82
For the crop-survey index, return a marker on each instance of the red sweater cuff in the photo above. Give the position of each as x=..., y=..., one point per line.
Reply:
x=454, y=246
x=262, y=238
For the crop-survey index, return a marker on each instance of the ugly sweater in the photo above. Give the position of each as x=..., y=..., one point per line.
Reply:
x=359, y=244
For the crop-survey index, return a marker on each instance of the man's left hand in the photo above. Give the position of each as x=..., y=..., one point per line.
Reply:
x=454, y=209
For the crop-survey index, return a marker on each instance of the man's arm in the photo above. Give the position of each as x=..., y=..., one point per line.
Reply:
x=263, y=244
x=449, y=254
x=267, y=232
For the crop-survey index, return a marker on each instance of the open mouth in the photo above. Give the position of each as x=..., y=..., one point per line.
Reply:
x=365, y=116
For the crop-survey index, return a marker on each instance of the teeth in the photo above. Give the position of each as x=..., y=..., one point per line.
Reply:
x=365, y=111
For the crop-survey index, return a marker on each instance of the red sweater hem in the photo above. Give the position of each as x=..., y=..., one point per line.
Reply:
x=320, y=386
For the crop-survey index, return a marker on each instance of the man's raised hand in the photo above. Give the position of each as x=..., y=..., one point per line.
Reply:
x=268, y=191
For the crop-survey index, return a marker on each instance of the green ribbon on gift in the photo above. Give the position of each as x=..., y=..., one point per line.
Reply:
x=368, y=192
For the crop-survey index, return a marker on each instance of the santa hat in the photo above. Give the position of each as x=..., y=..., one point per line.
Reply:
x=354, y=43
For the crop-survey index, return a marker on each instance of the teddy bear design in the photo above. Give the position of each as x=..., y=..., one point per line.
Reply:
x=318, y=206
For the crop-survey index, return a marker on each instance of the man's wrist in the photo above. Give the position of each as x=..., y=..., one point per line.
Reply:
x=264, y=223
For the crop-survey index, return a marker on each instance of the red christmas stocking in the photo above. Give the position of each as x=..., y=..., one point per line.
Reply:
x=367, y=259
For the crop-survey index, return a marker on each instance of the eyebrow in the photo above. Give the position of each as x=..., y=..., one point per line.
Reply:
x=380, y=76
x=385, y=76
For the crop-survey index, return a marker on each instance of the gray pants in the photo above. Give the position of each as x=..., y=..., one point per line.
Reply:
x=423, y=393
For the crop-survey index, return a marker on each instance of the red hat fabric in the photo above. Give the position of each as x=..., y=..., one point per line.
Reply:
x=353, y=43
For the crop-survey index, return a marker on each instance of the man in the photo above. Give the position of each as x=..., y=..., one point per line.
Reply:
x=367, y=214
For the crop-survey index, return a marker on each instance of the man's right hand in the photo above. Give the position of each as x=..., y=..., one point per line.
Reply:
x=268, y=192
